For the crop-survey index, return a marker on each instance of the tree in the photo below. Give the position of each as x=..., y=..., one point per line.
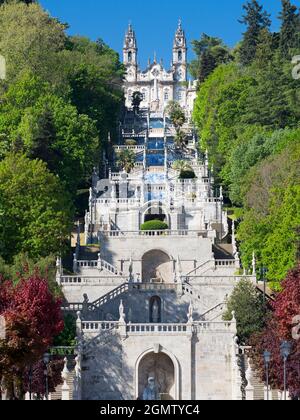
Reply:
x=95, y=77
x=279, y=328
x=33, y=318
x=249, y=308
x=137, y=99
x=37, y=373
x=181, y=165
x=49, y=128
x=126, y=160
x=30, y=40
x=210, y=52
x=36, y=211
x=255, y=19
x=290, y=25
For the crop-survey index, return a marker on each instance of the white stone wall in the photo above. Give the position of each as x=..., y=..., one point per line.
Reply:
x=202, y=364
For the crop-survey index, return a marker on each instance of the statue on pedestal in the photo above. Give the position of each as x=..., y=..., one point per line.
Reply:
x=151, y=391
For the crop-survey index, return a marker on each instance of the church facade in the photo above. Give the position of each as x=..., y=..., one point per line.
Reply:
x=149, y=304
x=157, y=85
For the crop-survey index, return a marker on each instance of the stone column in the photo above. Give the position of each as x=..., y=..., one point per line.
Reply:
x=65, y=388
x=75, y=264
x=77, y=394
x=249, y=388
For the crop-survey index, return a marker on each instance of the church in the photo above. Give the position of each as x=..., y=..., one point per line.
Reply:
x=149, y=302
x=157, y=85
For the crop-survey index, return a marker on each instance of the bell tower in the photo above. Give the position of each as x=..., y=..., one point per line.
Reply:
x=180, y=54
x=130, y=51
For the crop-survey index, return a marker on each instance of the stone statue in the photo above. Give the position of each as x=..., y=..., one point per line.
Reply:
x=155, y=312
x=151, y=391
x=121, y=312
x=85, y=304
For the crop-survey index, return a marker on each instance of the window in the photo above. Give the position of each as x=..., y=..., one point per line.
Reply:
x=144, y=93
x=179, y=55
x=130, y=57
x=180, y=95
x=166, y=95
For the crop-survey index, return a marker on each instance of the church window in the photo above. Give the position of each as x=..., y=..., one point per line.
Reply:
x=166, y=95
x=130, y=57
x=179, y=55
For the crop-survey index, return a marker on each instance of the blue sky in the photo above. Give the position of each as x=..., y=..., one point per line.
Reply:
x=154, y=21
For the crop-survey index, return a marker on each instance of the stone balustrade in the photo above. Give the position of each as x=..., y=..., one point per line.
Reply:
x=152, y=233
x=98, y=326
x=147, y=329
x=90, y=281
x=160, y=329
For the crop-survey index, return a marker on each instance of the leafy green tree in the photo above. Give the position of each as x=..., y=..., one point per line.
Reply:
x=36, y=213
x=95, y=76
x=47, y=127
x=30, y=40
x=255, y=19
x=68, y=335
x=249, y=308
x=210, y=52
x=53, y=130
x=290, y=26
x=126, y=160
x=270, y=223
x=137, y=99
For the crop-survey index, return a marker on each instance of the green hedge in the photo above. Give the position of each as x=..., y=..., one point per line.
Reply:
x=187, y=175
x=154, y=225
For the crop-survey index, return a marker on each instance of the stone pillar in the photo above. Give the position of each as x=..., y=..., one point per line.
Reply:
x=236, y=372
x=77, y=393
x=249, y=388
x=65, y=390
x=58, y=270
x=266, y=394
x=75, y=264
x=78, y=326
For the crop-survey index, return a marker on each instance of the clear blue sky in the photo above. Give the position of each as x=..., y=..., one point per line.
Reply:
x=155, y=21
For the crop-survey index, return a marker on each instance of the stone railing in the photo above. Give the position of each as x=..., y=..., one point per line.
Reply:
x=100, y=265
x=123, y=288
x=134, y=148
x=200, y=327
x=98, y=326
x=90, y=281
x=225, y=263
x=153, y=233
x=139, y=329
x=158, y=329
x=87, y=264
x=214, y=312
x=153, y=287
x=119, y=201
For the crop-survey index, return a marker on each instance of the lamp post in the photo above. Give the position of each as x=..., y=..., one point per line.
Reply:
x=267, y=360
x=285, y=349
x=30, y=383
x=46, y=360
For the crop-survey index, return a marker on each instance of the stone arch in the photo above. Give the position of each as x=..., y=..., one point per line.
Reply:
x=161, y=364
x=156, y=266
x=155, y=206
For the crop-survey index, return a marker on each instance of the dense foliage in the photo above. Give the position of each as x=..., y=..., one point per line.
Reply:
x=35, y=210
x=157, y=225
x=247, y=113
x=283, y=326
x=33, y=318
x=248, y=306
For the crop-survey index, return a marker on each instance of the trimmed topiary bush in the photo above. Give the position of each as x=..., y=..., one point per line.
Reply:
x=154, y=225
x=187, y=175
x=131, y=142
